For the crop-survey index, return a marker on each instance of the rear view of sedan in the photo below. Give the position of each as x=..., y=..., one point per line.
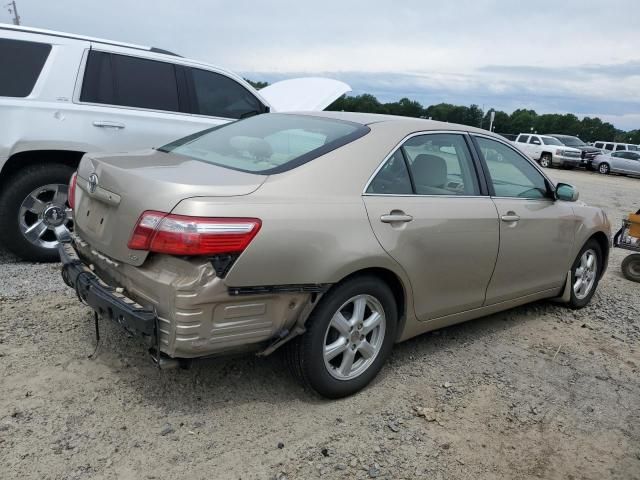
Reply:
x=332, y=235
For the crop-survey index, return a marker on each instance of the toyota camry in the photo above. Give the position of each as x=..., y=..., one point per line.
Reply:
x=331, y=235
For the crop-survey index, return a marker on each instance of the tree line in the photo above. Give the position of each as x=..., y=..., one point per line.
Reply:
x=589, y=129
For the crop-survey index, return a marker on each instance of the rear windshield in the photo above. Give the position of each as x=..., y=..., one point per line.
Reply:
x=269, y=143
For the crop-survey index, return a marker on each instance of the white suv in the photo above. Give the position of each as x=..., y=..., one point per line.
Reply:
x=63, y=95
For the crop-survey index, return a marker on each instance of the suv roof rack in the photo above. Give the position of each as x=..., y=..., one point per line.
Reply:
x=53, y=33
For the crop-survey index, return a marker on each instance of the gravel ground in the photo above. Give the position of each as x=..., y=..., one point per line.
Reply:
x=539, y=391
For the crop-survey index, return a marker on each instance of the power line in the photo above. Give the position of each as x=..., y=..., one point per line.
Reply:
x=13, y=9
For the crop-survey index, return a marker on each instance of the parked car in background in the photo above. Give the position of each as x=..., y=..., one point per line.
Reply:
x=62, y=95
x=588, y=151
x=334, y=234
x=625, y=162
x=615, y=147
x=549, y=151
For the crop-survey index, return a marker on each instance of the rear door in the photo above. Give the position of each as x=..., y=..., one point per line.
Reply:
x=536, y=231
x=133, y=102
x=431, y=213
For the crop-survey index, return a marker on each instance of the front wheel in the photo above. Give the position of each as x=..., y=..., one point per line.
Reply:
x=585, y=274
x=349, y=337
x=604, y=169
x=33, y=208
x=546, y=161
x=631, y=267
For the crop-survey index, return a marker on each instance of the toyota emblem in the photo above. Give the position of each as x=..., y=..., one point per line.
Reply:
x=93, y=183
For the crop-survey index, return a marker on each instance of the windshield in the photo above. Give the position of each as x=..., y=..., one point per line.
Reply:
x=268, y=143
x=551, y=141
x=572, y=142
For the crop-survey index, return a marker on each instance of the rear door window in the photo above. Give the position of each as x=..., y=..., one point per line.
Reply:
x=620, y=147
x=523, y=138
x=21, y=64
x=130, y=82
x=608, y=146
x=219, y=96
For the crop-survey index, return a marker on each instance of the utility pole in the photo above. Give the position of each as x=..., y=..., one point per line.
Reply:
x=13, y=9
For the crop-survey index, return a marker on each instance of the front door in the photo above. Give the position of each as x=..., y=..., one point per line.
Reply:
x=427, y=212
x=536, y=231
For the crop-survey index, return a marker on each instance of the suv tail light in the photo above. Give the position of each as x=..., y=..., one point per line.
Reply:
x=184, y=235
x=71, y=196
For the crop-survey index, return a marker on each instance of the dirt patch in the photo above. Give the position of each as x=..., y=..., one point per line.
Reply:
x=539, y=391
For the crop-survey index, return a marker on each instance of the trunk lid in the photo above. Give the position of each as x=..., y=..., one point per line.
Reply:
x=113, y=190
x=303, y=94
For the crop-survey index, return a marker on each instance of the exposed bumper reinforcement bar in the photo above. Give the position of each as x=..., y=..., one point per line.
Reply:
x=105, y=300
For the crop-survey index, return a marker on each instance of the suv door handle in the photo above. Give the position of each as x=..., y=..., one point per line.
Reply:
x=105, y=124
x=510, y=217
x=396, y=217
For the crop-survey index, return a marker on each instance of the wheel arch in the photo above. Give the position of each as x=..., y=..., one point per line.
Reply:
x=395, y=283
x=21, y=160
x=603, y=242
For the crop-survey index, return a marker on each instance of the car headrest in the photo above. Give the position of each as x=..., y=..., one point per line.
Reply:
x=430, y=170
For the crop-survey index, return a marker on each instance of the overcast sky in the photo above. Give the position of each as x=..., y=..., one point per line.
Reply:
x=553, y=56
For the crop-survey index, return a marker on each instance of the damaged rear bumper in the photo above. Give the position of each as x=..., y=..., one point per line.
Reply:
x=105, y=300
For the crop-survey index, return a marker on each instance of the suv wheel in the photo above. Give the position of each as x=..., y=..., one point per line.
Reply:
x=545, y=161
x=349, y=337
x=585, y=274
x=33, y=206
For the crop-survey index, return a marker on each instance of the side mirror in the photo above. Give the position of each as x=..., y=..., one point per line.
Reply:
x=566, y=192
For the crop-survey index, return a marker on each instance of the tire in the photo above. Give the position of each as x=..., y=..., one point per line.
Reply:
x=631, y=267
x=49, y=209
x=546, y=161
x=604, y=168
x=306, y=354
x=589, y=274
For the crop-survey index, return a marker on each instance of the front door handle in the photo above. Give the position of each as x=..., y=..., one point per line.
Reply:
x=105, y=124
x=510, y=217
x=396, y=217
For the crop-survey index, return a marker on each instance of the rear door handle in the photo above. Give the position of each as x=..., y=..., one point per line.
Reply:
x=105, y=124
x=396, y=217
x=510, y=217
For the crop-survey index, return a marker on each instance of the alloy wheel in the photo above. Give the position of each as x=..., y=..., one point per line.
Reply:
x=45, y=214
x=354, y=337
x=585, y=274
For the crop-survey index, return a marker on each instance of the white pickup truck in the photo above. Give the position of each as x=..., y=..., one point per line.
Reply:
x=549, y=151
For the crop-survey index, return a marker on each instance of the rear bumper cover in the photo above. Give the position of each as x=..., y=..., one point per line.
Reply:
x=106, y=301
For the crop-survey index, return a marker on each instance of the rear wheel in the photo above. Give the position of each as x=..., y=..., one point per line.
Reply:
x=33, y=207
x=631, y=267
x=585, y=274
x=604, y=168
x=349, y=337
x=545, y=160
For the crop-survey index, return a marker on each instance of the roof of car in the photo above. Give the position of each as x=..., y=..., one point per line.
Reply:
x=53, y=33
x=411, y=123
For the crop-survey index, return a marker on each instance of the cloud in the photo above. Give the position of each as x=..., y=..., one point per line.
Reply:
x=551, y=55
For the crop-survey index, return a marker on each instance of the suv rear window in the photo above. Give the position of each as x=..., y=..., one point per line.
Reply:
x=21, y=63
x=130, y=81
x=269, y=143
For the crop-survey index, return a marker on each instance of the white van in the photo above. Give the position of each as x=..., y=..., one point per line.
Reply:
x=615, y=147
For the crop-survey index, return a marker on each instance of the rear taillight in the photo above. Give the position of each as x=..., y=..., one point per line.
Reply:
x=183, y=235
x=71, y=196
